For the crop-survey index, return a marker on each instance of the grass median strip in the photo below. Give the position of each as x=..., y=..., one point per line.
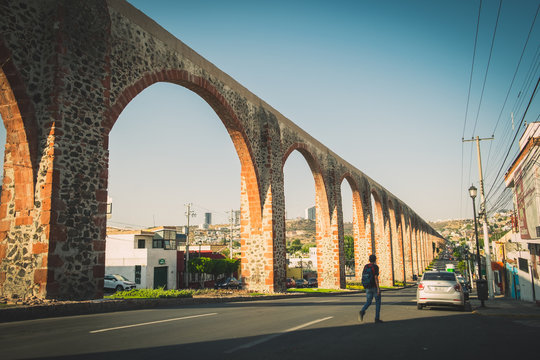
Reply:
x=150, y=323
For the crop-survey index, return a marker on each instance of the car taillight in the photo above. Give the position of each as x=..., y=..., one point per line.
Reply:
x=420, y=286
x=457, y=287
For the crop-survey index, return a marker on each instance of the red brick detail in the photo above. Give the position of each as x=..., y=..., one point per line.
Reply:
x=42, y=275
x=57, y=233
x=3, y=249
x=99, y=245
x=40, y=248
x=55, y=261
x=99, y=271
x=21, y=137
x=24, y=220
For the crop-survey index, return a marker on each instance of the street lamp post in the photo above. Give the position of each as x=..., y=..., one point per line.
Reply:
x=480, y=283
x=472, y=193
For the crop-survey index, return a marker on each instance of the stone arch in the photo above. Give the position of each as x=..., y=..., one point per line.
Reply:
x=321, y=198
x=203, y=88
x=325, y=262
x=359, y=224
x=20, y=195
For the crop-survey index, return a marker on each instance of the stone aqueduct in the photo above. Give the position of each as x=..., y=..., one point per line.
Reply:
x=68, y=69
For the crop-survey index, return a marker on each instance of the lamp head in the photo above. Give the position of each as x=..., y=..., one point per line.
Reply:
x=472, y=191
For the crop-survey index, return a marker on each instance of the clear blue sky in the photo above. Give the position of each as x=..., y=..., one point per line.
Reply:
x=383, y=84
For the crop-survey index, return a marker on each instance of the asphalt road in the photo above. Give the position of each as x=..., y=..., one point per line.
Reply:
x=316, y=327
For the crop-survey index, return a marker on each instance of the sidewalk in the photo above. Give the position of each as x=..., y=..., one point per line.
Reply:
x=507, y=307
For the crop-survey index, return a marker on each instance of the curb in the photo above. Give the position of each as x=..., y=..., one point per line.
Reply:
x=508, y=315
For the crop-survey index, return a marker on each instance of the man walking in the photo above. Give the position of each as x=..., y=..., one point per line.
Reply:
x=370, y=281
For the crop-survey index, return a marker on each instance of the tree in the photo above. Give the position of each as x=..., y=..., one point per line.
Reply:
x=201, y=265
x=295, y=246
x=306, y=247
x=232, y=265
x=219, y=267
x=349, y=251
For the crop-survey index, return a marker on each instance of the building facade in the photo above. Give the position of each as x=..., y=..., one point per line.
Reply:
x=146, y=257
x=523, y=263
x=311, y=213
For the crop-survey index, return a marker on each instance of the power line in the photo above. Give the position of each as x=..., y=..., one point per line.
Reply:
x=515, y=136
x=487, y=67
x=472, y=69
x=517, y=68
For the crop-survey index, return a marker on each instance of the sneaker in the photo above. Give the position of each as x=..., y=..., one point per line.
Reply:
x=378, y=321
x=361, y=315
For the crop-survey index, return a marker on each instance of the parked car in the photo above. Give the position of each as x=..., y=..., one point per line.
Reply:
x=290, y=283
x=439, y=288
x=312, y=282
x=118, y=283
x=300, y=283
x=228, y=283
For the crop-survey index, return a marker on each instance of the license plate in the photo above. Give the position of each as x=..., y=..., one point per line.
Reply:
x=438, y=288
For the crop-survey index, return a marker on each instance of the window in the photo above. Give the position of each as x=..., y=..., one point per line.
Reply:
x=157, y=243
x=523, y=264
x=141, y=244
x=137, y=274
x=447, y=276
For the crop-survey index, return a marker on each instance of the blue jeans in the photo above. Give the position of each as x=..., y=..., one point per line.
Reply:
x=370, y=293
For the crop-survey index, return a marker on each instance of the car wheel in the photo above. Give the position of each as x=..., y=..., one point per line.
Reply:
x=119, y=288
x=419, y=306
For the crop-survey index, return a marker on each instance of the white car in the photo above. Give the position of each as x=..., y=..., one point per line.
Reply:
x=440, y=288
x=118, y=283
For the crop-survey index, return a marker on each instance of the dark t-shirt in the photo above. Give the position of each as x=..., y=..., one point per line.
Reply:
x=375, y=270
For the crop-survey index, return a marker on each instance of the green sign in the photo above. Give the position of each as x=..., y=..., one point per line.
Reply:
x=161, y=261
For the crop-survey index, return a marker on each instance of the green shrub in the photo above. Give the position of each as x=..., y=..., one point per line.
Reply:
x=354, y=285
x=152, y=294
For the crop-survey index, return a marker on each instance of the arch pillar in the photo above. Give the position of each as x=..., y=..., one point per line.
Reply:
x=383, y=240
x=364, y=239
x=416, y=251
x=333, y=253
x=397, y=241
x=407, y=247
x=57, y=237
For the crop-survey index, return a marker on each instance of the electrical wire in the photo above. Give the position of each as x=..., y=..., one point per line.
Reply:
x=472, y=69
x=517, y=132
x=468, y=101
x=487, y=67
x=517, y=68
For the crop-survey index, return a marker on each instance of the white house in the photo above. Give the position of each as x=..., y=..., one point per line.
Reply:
x=149, y=258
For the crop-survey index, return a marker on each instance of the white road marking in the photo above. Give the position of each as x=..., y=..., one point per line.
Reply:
x=270, y=337
x=325, y=301
x=150, y=323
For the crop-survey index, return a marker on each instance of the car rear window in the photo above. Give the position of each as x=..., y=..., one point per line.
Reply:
x=440, y=276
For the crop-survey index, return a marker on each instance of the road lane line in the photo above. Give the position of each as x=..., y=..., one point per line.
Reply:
x=270, y=337
x=150, y=323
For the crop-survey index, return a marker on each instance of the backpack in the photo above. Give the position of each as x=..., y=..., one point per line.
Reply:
x=368, y=276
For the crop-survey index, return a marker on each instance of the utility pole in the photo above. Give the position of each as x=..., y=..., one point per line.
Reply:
x=483, y=214
x=189, y=213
